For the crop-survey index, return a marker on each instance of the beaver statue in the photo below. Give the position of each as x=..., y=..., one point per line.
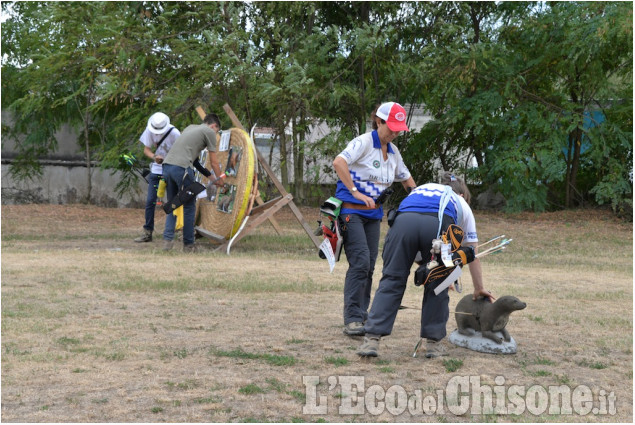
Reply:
x=486, y=317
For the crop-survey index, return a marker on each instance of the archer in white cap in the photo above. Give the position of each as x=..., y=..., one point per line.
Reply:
x=368, y=166
x=157, y=139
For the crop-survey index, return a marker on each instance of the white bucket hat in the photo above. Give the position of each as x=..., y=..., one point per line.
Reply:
x=158, y=123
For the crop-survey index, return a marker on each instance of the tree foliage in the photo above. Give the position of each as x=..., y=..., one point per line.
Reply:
x=538, y=94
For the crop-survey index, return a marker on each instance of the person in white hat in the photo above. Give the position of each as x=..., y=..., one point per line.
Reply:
x=157, y=139
x=368, y=166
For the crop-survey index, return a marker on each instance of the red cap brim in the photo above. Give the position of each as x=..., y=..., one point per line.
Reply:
x=397, y=125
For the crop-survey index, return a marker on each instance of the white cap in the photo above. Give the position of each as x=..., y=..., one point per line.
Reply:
x=158, y=123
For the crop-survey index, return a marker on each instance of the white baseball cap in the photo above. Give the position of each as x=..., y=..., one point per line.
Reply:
x=158, y=123
x=394, y=114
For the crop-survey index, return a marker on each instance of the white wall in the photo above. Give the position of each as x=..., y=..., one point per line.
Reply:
x=67, y=185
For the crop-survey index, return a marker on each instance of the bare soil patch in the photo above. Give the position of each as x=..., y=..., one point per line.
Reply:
x=97, y=328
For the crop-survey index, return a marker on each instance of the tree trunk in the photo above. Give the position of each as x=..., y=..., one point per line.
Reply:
x=364, y=14
x=87, y=119
x=479, y=157
x=299, y=126
x=296, y=153
x=284, y=171
x=89, y=182
x=361, y=124
x=298, y=158
x=575, y=144
x=567, y=176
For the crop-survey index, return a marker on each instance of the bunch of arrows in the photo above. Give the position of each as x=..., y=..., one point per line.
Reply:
x=501, y=244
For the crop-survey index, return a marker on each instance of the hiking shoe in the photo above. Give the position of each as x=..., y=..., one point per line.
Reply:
x=435, y=349
x=167, y=245
x=354, y=329
x=370, y=346
x=191, y=248
x=146, y=236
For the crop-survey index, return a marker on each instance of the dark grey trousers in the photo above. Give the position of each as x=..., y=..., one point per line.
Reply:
x=361, y=245
x=411, y=232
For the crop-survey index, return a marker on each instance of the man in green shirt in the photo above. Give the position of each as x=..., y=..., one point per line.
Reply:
x=178, y=172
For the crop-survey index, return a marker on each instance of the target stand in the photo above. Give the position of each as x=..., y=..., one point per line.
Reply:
x=228, y=215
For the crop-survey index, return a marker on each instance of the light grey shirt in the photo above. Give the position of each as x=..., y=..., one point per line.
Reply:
x=189, y=145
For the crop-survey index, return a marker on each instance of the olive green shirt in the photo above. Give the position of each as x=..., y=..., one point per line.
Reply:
x=190, y=144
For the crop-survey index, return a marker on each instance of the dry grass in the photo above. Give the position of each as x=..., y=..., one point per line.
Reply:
x=96, y=328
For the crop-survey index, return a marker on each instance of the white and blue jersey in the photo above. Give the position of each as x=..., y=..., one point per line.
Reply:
x=426, y=199
x=370, y=172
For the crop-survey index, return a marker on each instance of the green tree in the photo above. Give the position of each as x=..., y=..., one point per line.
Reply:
x=77, y=38
x=574, y=60
x=511, y=85
x=539, y=94
x=60, y=71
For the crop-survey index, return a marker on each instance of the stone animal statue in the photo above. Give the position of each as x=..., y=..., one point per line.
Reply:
x=486, y=317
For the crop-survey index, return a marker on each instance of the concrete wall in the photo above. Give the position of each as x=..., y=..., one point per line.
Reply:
x=64, y=178
x=68, y=184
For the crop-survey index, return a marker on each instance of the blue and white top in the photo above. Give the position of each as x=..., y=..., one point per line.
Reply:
x=150, y=140
x=426, y=198
x=370, y=172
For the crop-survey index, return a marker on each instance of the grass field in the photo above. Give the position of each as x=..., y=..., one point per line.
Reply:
x=96, y=328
